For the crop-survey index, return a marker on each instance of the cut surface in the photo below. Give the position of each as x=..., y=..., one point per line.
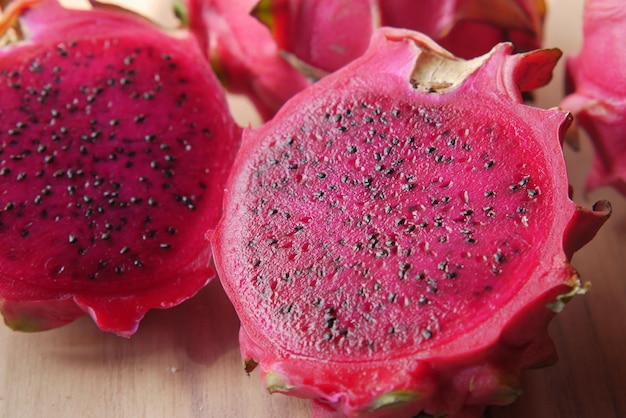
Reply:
x=117, y=171
x=386, y=222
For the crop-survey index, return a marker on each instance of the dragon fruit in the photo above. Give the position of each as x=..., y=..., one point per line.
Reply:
x=329, y=34
x=115, y=144
x=397, y=238
x=598, y=91
x=243, y=53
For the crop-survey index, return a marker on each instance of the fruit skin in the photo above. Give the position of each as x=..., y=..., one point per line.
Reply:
x=280, y=255
x=597, y=88
x=111, y=174
x=243, y=53
x=327, y=35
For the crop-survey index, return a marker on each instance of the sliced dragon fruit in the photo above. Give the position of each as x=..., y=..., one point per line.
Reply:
x=244, y=54
x=398, y=237
x=115, y=144
x=598, y=91
x=329, y=34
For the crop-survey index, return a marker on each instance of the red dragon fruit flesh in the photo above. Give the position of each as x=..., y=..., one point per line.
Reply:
x=598, y=97
x=115, y=143
x=398, y=237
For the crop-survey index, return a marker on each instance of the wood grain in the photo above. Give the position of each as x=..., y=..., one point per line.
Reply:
x=184, y=362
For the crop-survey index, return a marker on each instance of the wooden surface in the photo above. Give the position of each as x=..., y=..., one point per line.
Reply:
x=185, y=362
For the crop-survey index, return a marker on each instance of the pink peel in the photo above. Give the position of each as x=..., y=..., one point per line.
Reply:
x=597, y=90
x=327, y=35
x=243, y=53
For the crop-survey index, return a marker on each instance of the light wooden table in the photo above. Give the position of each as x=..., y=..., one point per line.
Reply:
x=185, y=362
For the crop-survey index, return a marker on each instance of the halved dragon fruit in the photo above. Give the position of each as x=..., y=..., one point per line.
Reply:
x=598, y=91
x=115, y=144
x=244, y=54
x=398, y=237
x=329, y=34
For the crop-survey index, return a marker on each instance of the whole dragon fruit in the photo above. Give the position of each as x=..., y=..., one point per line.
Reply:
x=243, y=53
x=329, y=34
x=598, y=91
x=398, y=237
x=115, y=143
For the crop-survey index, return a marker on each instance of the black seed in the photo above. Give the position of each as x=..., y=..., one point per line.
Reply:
x=427, y=334
x=489, y=164
x=72, y=239
x=524, y=181
x=165, y=245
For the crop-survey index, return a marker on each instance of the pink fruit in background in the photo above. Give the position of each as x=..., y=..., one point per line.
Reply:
x=469, y=28
x=243, y=53
x=397, y=238
x=115, y=143
x=323, y=34
x=329, y=34
x=598, y=90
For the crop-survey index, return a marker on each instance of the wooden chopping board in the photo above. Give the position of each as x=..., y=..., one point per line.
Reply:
x=185, y=362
